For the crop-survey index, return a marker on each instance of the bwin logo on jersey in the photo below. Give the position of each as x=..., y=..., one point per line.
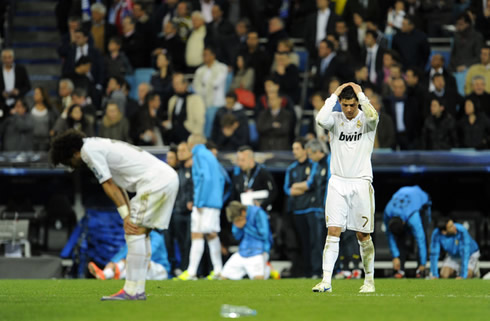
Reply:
x=350, y=137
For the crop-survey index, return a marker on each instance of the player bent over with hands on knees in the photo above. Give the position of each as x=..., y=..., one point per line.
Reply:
x=121, y=167
x=350, y=198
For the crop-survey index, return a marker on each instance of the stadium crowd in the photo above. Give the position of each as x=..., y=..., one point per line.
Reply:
x=256, y=74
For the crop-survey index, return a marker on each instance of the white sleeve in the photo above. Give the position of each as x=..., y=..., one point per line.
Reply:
x=96, y=161
x=324, y=117
x=368, y=110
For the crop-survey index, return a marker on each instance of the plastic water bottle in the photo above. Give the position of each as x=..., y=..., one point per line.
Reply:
x=233, y=311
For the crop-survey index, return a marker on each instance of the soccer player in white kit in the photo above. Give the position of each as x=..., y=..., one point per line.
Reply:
x=121, y=167
x=350, y=197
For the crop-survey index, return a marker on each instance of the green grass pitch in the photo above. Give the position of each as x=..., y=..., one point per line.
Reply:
x=290, y=299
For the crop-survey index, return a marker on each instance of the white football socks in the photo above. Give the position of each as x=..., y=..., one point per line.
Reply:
x=215, y=254
x=330, y=254
x=135, y=261
x=367, y=256
x=195, y=255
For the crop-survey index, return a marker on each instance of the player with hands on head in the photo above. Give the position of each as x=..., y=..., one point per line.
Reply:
x=350, y=198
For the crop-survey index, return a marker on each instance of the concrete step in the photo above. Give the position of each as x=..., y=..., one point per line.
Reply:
x=44, y=69
x=35, y=5
x=38, y=36
x=38, y=53
x=45, y=21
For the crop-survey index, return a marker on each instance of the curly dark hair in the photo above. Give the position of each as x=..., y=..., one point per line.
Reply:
x=65, y=145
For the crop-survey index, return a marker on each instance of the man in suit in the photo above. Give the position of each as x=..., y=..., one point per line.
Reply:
x=326, y=65
x=372, y=57
x=437, y=67
x=407, y=126
x=444, y=93
x=369, y=9
x=133, y=43
x=318, y=25
x=411, y=44
x=347, y=40
x=220, y=32
x=14, y=82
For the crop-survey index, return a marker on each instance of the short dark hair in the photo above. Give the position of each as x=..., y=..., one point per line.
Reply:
x=211, y=49
x=117, y=40
x=410, y=19
x=348, y=93
x=85, y=31
x=65, y=145
x=245, y=148
x=300, y=140
x=396, y=226
x=150, y=96
x=211, y=145
x=437, y=74
x=118, y=79
x=442, y=223
x=79, y=92
x=372, y=33
x=465, y=16
x=231, y=94
x=228, y=120
x=416, y=71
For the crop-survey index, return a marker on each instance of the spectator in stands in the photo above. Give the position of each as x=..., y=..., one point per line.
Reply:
x=115, y=93
x=361, y=76
x=370, y=9
x=372, y=57
x=238, y=41
x=317, y=153
x=16, y=131
x=380, y=37
x=231, y=132
x=248, y=175
x=83, y=48
x=143, y=89
x=100, y=31
x=411, y=44
x=243, y=76
x=133, y=44
x=404, y=111
x=347, y=40
x=437, y=67
x=300, y=188
x=251, y=228
x=318, y=25
x=65, y=89
x=209, y=183
x=462, y=251
x=385, y=132
x=219, y=34
x=68, y=39
x=171, y=157
x=395, y=18
x=453, y=101
x=169, y=43
x=287, y=74
x=314, y=130
x=256, y=58
x=286, y=46
x=276, y=33
x=132, y=106
x=479, y=94
x=394, y=72
x=274, y=125
x=210, y=83
x=161, y=81
x=482, y=68
x=74, y=120
x=403, y=215
x=158, y=267
x=185, y=112
x=359, y=28
x=180, y=223
x=117, y=11
x=439, y=131
x=467, y=45
x=114, y=124
x=143, y=26
x=194, y=49
x=183, y=19
x=80, y=98
x=148, y=127
x=326, y=65
x=164, y=12
x=116, y=62
x=14, y=82
x=474, y=127
x=414, y=87
x=482, y=18
x=44, y=117
x=82, y=78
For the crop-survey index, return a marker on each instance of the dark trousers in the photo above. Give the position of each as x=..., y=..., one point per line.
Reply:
x=319, y=234
x=180, y=233
x=306, y=229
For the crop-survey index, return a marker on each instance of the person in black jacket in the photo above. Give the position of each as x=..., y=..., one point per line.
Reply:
x=318, y=25
x=474, y=127
x=439, y=131
x=133, y=44
x=249, y=175
x=411, y=44
x=15, y=86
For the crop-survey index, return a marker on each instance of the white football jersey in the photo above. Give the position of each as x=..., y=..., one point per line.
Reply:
x=130, y=167
x=351, y=141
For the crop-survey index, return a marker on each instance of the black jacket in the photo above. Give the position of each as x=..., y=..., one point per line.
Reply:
x=476, y=135
x=22, y=83
x=439, y=133
x=299, y=172
x=239, y=137
x=258, y=178
x=413, y=48
x=310, y=31
x=186, y=190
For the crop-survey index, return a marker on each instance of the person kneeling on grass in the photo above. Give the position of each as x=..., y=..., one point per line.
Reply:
x=462, y=251
x=116, y=269
x=251, y=228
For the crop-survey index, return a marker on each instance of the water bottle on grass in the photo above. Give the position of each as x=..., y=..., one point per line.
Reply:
x=233, y=311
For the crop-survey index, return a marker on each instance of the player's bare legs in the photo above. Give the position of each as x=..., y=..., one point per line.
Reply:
x=367, y=256
x=330, y=255
x=215, y=253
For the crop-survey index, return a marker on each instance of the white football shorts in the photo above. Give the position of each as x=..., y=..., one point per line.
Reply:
x=206, y=221
x=238, y=266
x=455, y=263
x=350, y=204
x=152, y=208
